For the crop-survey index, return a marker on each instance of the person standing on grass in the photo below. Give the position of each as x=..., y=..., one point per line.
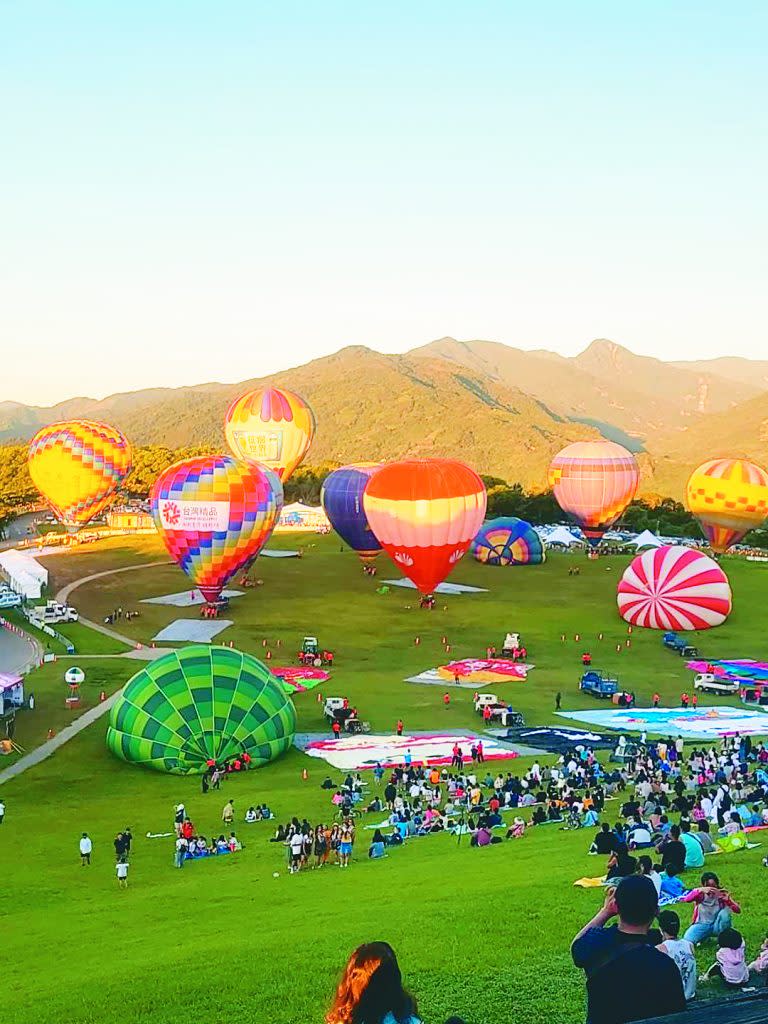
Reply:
x=346, y=842
x=122, y=873
x=228, y=813
x=399, y=727
x=86, y=846
x=2, y=811
x=558, y=700
x=180, y=852
x=627, y=978
x=446, y=700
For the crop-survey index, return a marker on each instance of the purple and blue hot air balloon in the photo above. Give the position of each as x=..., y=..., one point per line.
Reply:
x=342, y=500
x=508, y=541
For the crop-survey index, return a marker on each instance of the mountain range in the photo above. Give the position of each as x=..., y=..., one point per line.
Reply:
x=504, y=410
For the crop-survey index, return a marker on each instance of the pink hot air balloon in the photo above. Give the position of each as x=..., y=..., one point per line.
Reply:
x=593, y=482
x=674, y=587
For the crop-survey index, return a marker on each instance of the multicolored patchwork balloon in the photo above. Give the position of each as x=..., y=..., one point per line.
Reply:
x=77, y=465
x=594, y=481
x=271, y=426
x=425, y=513
x=508, y=541
x=674, y=587
x=729, y=497
x=342, y=500
x=201, y=704
x=215, y=514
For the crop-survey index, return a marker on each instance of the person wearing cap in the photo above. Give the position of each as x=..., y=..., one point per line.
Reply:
x=627, y=977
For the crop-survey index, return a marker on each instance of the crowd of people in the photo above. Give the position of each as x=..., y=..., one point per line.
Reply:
x=310, y=846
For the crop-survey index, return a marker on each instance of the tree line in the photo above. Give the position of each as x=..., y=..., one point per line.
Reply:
x=660, y=515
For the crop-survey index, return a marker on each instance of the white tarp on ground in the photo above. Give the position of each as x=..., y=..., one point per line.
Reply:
x=23, y=573
x=187, y=598
x=198, y=631
x=561, y=535
x=647, y=540
x=441, y=588
x=279, y=554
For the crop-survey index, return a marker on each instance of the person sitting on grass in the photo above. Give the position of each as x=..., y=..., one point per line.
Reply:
x=671, y=886
x=251, y=816
x=605, y=842
x=371, y=990
x=377, y=847
x=680, y=950
x=694, y=852
x=627, y=978
x=760, y=964
x=713, y=910
x=731, y=963
x=620, y=864
x=704, y=838
x=645, y=867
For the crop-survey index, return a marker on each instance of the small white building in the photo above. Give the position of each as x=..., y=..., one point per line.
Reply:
x=23, y=573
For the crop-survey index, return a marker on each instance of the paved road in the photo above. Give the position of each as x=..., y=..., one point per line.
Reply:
x=17, y=652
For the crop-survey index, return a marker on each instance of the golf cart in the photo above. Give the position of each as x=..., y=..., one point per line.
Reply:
x=505, y=713
x=337, y=709
x=676, y=643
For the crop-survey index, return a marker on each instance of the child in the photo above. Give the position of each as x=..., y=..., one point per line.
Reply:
x=671, y=885
x=122, y=874
x=731, y=963
x=760, y=964
x=679, y=949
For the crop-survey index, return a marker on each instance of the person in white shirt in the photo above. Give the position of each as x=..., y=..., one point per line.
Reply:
x=86, y=846
x=296, y=843
x=2, y=811
x=122, y=873
x=180, y=854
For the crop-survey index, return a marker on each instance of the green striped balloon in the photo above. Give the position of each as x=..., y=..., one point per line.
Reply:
x=198, y=704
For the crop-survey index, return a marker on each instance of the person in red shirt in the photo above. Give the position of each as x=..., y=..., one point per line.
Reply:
x=684, y=700
x=399, y=727
x=493, y=804
x=656, y=699
x=446, y=699
x=336, y=728
x=695, y=700
x=486, y=713
x=480, y=752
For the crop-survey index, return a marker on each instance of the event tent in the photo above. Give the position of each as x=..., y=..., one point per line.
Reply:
x=647, y=540
x=23, y=573
x=561, y=535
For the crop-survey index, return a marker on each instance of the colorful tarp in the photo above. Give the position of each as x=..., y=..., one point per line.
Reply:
x=736, y=668
x=702, y=724
x=354, y=753
x=483, y=670
x=298, y=679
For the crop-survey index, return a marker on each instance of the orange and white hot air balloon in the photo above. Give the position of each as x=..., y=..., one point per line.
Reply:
x=424, y=513
x=729, y=497
x=271, y=426
x=77, y=465
x=593, y=482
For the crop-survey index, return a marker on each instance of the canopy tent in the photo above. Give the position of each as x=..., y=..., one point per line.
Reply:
x=647, y=540
x=23, y=573
x=562, y=535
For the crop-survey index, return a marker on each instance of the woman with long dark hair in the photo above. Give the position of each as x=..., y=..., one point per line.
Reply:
x=371, y=990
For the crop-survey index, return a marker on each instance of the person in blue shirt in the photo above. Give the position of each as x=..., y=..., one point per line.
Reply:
x=371, y=990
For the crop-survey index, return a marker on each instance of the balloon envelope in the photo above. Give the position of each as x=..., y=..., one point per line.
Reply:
x=201, y=704
x=729, y=497
x=508, y=541
x=425, y=513
x=342, y=500
x=77, y=465
x=674, y=587
x=271, y=426
x=214, y=515
x=593, y=482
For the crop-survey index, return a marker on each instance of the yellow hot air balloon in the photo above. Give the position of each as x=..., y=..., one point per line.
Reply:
x=77, y=466
x=729, y=497
x=271, y=426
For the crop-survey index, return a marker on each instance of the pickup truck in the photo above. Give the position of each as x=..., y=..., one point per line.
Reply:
x=676, y=643
x=504, y=713
x=708, y=683
x=598, y=685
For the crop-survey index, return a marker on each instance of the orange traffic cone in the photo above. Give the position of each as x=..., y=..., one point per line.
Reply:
x=417, y=640
x=269, y=655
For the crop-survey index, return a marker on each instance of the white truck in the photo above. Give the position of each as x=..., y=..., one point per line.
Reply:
x=708, y=683
x=51, y=612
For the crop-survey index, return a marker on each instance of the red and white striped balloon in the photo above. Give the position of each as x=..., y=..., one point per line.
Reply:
x=674, y=587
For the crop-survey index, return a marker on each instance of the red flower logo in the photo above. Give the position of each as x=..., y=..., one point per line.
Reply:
x=171, y=513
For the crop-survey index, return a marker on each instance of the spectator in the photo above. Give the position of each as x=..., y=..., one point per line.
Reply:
x=680, y=950
x=86, y=847
x=731, y=963
x=694, y=852
x=371, y=990
x=626, y=977
x=712, y=913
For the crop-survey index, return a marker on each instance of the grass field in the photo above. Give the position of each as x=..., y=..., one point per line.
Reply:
x=484, y=933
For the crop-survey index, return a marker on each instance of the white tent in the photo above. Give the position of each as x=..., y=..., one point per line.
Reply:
x=647, y=540
x=561, y=535
x=23, y=573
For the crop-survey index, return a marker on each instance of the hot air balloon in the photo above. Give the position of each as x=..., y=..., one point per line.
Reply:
x=674, y=587
x=77, y=466
x=594, y=481
x=729, y=497
x=201, y=704
x=508, y=541
x=215, y=514
x=272, y=427
x=342, y=500
x=425, y=513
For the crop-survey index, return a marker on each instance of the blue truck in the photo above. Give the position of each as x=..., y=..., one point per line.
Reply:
x=678, y=644
x=598, y=685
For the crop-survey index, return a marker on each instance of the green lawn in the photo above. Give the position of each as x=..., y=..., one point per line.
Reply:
x=483, y=933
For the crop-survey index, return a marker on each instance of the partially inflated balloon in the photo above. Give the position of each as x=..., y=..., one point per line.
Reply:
x=342, y=500
x=508, y=541
x=215, y=514
x=77, y=466
x=272, y=427
x=729, y=497
x=425, y=513
x=594, y=481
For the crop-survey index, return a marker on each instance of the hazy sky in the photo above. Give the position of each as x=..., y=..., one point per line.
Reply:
x=213, y=191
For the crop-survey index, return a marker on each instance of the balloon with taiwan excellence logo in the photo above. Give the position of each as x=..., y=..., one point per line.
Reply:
x=729, y=497
x=425, y=513
x=593, y=482
x=78, y=465
x=215, y=514
x=674, y=587
x=271, y=426
x=342, y=501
